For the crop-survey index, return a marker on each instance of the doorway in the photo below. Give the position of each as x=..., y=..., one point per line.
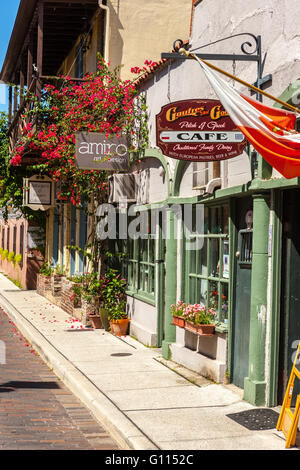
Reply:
x=290, y=292
x=242, y=292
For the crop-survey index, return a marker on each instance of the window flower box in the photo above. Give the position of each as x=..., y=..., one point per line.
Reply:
x=178, y=321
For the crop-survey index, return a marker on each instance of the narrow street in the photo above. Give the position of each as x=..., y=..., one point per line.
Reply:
x=37, y=412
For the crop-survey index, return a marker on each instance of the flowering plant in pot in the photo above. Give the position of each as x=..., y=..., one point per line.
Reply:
x=90, y=291
x=114, y=299
x=200, y=319
x=118, y=319
x=178, y=313
x=46, y=270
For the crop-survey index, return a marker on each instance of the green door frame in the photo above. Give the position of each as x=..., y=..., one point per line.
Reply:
x=160, y=283
x=274, y=327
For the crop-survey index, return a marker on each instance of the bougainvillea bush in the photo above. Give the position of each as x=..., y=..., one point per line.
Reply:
x=102, y=103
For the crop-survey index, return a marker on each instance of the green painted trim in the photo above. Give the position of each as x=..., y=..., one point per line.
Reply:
x=141, y=296
x=171, y=286
x=221, y=328
x=275, y=183
x=156, y=153
x=289, y=92
x=255, y=383
x=221, y=195
x=160, y=286
x=179, y=169
x=275, y=299
x=232, y=232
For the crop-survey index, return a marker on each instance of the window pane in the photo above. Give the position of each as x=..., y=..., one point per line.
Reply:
x=198, y=290
x=226, y=259
x=224, y=302
x=198, y=260
x=215, y=255
x=225, y=219
x=213, y=301
x=210, y=261
x=151, y=250
x=246, y=246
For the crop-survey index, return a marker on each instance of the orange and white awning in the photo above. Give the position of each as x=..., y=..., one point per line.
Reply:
x=269, y=130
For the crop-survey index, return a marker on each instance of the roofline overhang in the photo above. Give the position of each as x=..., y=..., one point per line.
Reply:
x=18, y=36
x=23, y=21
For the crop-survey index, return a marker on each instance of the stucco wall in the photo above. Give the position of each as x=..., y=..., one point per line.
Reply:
x=215, y=20
x=138, y=30
x=24, y=274
x=143, y=321
x=141, y=30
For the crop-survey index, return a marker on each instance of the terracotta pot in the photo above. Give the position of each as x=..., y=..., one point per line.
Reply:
x=200, y=329
x=96, y=321
x=119, y=327
x=179, y=321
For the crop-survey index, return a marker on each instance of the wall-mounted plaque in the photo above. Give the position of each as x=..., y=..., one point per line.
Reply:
x=198, y=130
x=38, y=192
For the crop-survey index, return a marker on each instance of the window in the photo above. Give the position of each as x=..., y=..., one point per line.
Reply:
x=21, y=248
x=200, y=175
x=15, y=239
x=139, y=265
x=207, y=268
x=7, y=238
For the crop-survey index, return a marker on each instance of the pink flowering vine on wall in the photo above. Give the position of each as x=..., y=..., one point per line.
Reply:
x=102, y=103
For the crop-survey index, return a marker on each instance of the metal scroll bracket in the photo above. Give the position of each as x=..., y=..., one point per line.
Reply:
x=251, y=52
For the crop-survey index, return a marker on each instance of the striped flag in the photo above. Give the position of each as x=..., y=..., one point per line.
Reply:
x=269, y=130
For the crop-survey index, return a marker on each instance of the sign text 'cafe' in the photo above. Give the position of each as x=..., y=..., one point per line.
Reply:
x=198, y=130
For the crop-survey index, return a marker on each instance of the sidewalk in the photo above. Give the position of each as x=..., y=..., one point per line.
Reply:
x=143, y=403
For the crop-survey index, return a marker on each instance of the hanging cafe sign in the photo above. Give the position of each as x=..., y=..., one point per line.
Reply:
x=198, y=130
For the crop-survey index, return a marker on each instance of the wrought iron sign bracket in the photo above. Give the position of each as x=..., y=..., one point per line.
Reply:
x=251, y=49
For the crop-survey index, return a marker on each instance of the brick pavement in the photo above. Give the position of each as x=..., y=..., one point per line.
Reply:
x=37, y=411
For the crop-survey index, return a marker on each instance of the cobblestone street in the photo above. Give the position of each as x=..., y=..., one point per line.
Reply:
x=37, y=412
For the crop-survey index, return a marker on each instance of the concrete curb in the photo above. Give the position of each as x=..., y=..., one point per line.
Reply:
x=126, y=433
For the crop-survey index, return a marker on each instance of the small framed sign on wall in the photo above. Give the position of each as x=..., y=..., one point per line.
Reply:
x=38, y=192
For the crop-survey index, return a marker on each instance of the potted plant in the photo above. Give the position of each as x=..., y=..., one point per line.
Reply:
x=44, y=279
x=114, y=300
x=11, y=256
x=178, y=315
x=4, y=254
x=90, y=290
x=118, y=319
x=18, y=260
x=56, y=280
x=200, y=319
x=46, y=270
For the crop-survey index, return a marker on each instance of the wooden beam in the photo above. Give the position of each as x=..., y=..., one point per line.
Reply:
x=58, y=2
x=29, y=63
x=40, y=44
x=10, y=105
x=15, y=100
x=22, y=83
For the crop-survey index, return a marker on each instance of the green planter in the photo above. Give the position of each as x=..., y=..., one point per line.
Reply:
x=104, y=318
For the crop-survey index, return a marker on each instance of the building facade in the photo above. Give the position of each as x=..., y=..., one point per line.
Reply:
x=246, y=262
x=51, y=39
x=250, y=222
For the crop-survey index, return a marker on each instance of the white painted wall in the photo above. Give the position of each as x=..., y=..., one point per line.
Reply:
x=274, y=20
x=143, y=321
